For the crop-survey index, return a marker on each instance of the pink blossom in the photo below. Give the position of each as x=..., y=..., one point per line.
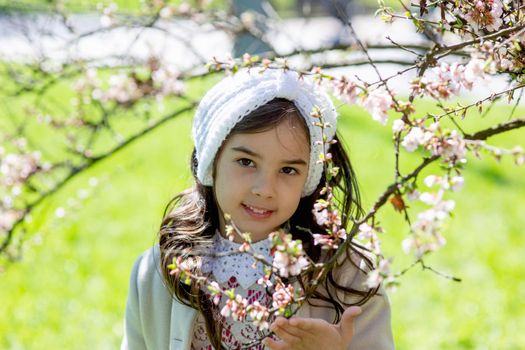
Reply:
x=184, y=8
x=366, y=232
x=320, y=205
x=344, y=89
x=412, y=195
x=229, y=230
x=457, y=183
x=289, y=266
x=338, y=232
x=452, y=149
x=377, y=103
x=441, y=208
x=447, y=79
x=456, y=72
x=89, y=80
x=506, y=64
x=483, y=14
x=327, y=241
x=122, y=89
x=167, y=81
x=282, y=297
x=423, y=243
x=426, y=236
x=321, y=217
x=398, y=125
x=326, y=217
x=214, y=288
x=8, y=217
x=244, y=247
x=236, y=307
x=288, y=254
x=414, y=138
x=167, y=12
x=60, y=212
x=373, y=279
x=376, y=276
x=474, y=70
x=431, y=180
x=16, y=168
x=226, y=309
x=108, y=13
x=259, y=315
x=264, y=281
x=430, y=198
x=519, y=155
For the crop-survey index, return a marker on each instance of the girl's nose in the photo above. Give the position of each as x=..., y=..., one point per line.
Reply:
x=264, y=186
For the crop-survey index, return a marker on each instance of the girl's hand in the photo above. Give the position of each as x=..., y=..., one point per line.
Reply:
x=313, y=333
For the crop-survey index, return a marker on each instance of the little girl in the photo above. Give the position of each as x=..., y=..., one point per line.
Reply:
x=255, y=159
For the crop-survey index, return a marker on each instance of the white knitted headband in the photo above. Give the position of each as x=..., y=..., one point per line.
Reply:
x=236, y=96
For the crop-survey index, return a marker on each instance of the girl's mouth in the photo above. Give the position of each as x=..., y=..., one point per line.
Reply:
x=257, y=213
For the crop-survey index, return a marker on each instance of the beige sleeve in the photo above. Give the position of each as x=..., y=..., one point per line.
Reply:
x=372, y=328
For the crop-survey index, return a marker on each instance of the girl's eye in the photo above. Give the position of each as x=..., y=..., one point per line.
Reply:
x=245, y=162
x=288, y=170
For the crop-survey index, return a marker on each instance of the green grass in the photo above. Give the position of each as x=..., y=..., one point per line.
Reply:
x=485, y=245
x=286, y=8
x=70, y=289
x=126, y=6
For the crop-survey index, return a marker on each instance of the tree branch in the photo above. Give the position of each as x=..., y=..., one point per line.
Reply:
x=497, y=129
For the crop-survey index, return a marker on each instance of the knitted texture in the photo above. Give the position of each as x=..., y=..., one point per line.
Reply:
x=236, y=96
x=233, y=263
x=231, y=268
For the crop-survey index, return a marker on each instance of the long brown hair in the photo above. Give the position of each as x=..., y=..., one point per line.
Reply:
x=191, y=218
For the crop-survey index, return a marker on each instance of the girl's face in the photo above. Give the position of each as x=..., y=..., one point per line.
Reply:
x=259, y=177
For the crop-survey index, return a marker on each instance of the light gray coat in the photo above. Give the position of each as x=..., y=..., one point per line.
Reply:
x=156, y=321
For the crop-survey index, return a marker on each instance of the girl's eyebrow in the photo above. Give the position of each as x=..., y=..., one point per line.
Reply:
x=243, y=149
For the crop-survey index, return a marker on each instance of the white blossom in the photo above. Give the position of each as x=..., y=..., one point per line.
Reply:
x=60, y=212
x=376, y=276
x=321, y=217
x=457, y=183
x=398, y=125
x=377, y=103
x=287, y=266
x=474, y=70
x=431, y=180
x=413, y=139
x=8, y=217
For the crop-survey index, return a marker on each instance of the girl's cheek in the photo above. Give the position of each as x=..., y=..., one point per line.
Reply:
x=230, y=169
x=295, y=183
x=242, y=171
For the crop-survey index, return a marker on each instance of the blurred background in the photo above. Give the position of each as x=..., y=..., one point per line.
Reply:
x=67, y=288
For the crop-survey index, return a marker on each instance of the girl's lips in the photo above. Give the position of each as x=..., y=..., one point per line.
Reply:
x=257, y=213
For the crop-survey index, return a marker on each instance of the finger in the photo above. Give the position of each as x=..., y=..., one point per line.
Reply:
x=346, y=326
x=303, y=324
x=294, y=330
x=274, y=344
x=285, y=335
x=280, y=321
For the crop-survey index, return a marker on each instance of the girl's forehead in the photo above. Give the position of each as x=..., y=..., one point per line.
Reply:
x=283, y=139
